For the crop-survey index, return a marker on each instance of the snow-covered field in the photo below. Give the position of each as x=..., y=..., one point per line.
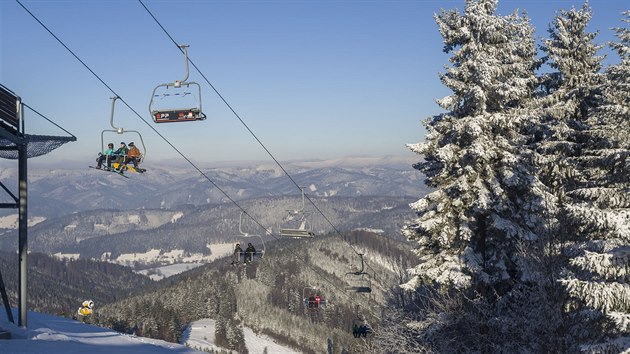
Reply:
x=169, y=270
x=51, y=335
x=179, y=264
x=11, y=221
x=174, y=256
x=200, y=335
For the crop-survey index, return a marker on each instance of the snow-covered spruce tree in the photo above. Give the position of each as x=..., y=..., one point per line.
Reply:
x=570, y=94
x=595, y=202
x=487, y=206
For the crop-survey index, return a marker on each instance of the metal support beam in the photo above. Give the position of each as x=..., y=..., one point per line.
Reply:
x=22, y=232
x=4, y=134
x=5, y=300
x=9, y=193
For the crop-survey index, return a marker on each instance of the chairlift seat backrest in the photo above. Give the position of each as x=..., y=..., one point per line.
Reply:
x=177, y=115
x=296, y=233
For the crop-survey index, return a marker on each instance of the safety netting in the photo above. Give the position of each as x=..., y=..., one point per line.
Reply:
x=36, y=145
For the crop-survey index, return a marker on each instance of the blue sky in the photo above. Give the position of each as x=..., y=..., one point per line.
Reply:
x=313, y=79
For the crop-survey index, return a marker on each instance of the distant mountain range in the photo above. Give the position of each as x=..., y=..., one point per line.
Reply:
x=56, y=191
x=191, y=229
x=92, y=213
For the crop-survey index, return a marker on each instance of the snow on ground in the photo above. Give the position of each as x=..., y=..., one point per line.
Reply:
x=148, y=256
x=160, y=273
x=101, y=227
x=70, y=256
x=219, y=250
x=11, y=221
x=256, y=344
x=179, y=263
x=200, y=335
x=175, y=256
x=51, y=335
x=176, y=217
x=133, y=219
x=368, y=229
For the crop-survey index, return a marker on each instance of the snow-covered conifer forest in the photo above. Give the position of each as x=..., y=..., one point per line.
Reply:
x=525, y=239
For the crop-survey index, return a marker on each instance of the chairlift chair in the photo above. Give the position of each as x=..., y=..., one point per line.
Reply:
x=304, y=230
x=173, y=92
x=121, y=131
x=359, y=281
x=259, y=253
x=313, y=299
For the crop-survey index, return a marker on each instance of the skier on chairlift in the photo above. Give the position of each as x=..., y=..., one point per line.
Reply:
x=106, y=156
x=236, y=257
x=133, y=155
x=121, y=153
x=250, y=251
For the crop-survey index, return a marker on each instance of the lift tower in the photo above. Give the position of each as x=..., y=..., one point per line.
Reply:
x=15, y=144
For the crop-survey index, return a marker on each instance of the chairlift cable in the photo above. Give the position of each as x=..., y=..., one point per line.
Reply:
x=342, y=291
x=139, y=116
x=48, y=119
x=336, y=230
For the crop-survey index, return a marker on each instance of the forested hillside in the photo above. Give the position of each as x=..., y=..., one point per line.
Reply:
x=91, y=234
x=268, y=295
x=59, y=287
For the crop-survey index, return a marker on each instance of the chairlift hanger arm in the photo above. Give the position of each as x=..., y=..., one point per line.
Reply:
x=144, y=148
x=184, y=48
x=360, y=271
x=111, y=116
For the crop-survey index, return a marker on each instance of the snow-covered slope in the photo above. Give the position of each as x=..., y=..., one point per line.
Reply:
x=51, y=335
x=200, y=335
